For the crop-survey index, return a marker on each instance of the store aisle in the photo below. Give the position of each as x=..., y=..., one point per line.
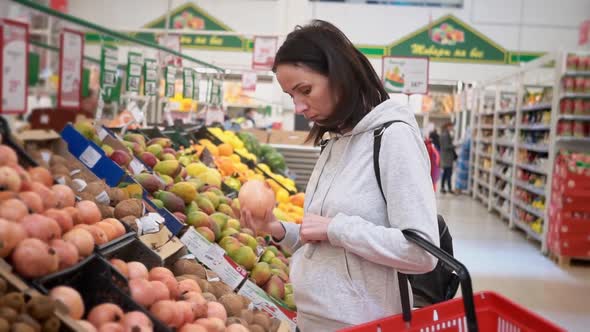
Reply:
x=503, y=260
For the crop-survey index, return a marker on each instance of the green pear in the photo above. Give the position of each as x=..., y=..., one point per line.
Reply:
x=280, y=273
x=213, y=198
x=246, y=257
x=267, y=256
x=205, y=204
x=220, y=218
x=260, y=273
x=233, y=223
x=248, y=240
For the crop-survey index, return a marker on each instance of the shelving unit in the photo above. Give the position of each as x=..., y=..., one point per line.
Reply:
x=534, y=117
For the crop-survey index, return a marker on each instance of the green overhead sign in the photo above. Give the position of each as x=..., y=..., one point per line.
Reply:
x=447, y=39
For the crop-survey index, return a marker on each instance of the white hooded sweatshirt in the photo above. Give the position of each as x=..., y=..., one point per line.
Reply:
x=352, y=278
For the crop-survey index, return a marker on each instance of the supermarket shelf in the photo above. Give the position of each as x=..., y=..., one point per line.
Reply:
x=481, y=196
x=535, y=126
x=482, y=183
x=527, y=229
x=530, y=187
x=487, y=127
x=483, y=169
x=486, y=113
x=485, y=155
x=507, y=111
x=534, y=147
x=539, y=107
x=504, y=161
x=509, y=126
x=504, y=143
x=577, y=73
x=485, y=140
x=502, y=176
x=534, y=211
x=578, y=117
x=571, y=139
x=501, y=194
x=532, y=168
x=575, y=95
x=501, y=211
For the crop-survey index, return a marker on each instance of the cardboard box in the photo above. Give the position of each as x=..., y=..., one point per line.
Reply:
x=289, y=137
x=261, y=135
x=214, y=257
x=263, y=301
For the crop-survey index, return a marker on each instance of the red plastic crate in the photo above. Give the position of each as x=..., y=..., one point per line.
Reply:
x=573, y=200
x=569, y=248
x=495, y=313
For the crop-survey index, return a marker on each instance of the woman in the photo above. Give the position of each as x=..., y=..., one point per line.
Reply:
x=350, y=245
x=448, y=157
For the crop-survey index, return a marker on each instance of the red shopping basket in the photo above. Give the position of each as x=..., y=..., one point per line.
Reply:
x=495, y=313
x=485, y=311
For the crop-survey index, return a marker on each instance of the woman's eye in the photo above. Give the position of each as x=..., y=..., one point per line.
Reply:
x=306, y=91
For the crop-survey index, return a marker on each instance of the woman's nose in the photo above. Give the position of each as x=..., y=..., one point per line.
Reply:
x=300, y=107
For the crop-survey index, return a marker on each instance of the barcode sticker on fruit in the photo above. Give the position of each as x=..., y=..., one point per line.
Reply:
x=74, y=172
x=90, y=157
x=102, y=134
x=136, y=166
x=79, y=184
x=44, y=119
x=61, y=180
x=103, y=198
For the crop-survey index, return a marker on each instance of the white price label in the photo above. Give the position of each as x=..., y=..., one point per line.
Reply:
x=90, y=157
x=189, y=256
x=61, y=180
x=46, y=156
x=74, y=172
x=155, y=217
x=44, y=119
x=136, y=166
x=102, y=133
x=103, y=198
x=216, y=254
x=79, y=184
x=148, y=225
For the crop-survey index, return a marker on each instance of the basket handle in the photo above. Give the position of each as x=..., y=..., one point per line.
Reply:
x=451, y=264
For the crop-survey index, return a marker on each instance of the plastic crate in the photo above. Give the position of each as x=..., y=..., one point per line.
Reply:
x=129, y=249
x=494, y=313
x=98, y=282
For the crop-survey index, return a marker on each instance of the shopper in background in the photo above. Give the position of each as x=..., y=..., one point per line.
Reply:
x=448, y=157
x=349, y=247
x=248, y=119
x=435, y=138
x=434, y=161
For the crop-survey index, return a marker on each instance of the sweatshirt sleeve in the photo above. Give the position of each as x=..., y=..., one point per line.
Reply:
x=411, y=204
x=291, y=240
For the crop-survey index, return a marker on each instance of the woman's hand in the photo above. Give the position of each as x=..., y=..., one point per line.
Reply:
x=314, y=228
x=269, y=225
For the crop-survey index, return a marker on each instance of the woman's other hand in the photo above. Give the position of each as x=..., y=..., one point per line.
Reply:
x=314, y=228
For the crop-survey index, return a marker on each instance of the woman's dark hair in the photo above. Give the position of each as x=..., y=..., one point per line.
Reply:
x=323, y=48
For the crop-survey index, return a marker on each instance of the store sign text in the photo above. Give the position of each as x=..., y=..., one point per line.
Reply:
x=439, y=52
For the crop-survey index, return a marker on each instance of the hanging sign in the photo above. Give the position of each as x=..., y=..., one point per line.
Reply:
x=170, y=76
x=134, y=62
x=171, y=42
x=407, y=75
x=263, y=54
x=150, y=77
x=249, y=81
x=196, y=90
x=187, y=83
x=69, y=90
x=108, y=71
x=14, y=48
x=216, y=93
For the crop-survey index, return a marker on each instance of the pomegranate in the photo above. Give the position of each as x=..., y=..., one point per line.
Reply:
x=192, y=328
x=105, y=313
x=188, y=285
x=70, y=298
x=7, y=156
x=6, y=195
x=63, y=219
x=212, y=324
x=217, y=310
x=41, y=175
x=198, y=303
x=158, y=272
x=82, y=239
x=186, y=309
x=67, y=253
x=25, y=178
x=9, y=179
x=13, y=209
x=88, y=212
x=111, y=327
x=41, y=227
x=137, y=321
x=160, y=290
x=65, y=195
x=257, y=197
x=172, y=285
x=137, y=270
x=167, y=312
x=10, y=235
x=120, y=229
x=141, y=292
x=120, y=266
x=97, y=233
x=32, y=200
x=47, y=195
x=73, y=212
x=108, y=229
x=33, y=258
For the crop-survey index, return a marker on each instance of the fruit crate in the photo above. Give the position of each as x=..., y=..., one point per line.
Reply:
x=98, y=282
x=262, y=301
x=129, y=249
x=7, y=139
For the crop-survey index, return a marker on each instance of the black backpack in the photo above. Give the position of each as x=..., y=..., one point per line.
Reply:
x=437, y=285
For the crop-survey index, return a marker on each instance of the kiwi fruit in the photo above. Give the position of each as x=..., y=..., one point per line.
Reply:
x=188, y=266
x=30, y=321
x=219, y=289
x=233, y=304
x=245, y=301
x=247, y=315
x=8, y=314
x=106, y=211
x=4, y=325
x=256, y=328
x=40, y=307
x=210, y=297
x=236, y=320
x=262, y=319
x=3, y=286
x=60, y=170
x=51, y=325
x=22, y=327
x=129, y=207
x=204, y=284
x=13, y=300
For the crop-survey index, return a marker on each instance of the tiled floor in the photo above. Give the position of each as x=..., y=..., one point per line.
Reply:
x=504, y=261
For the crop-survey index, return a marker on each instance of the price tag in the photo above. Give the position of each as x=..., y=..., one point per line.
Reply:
x=90, y=157
x=103, y=198
x=46, y=156
x=61, y=180
x=136, y=166
x=44, y=119
x=79, y=184
x=155, y=217
x=74, y=172
x=215, y=254
x=148, y=225
x=102, y=133
x=189, y=256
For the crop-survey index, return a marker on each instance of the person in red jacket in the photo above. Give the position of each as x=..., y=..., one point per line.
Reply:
x=434, y=161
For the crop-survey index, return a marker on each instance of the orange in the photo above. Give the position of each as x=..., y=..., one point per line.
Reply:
x=298, y=199
x=225, y=149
